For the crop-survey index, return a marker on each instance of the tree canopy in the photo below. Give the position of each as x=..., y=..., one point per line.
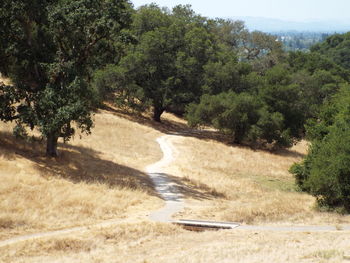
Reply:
x=49, y=49
x=325, y=171
x=336, y=47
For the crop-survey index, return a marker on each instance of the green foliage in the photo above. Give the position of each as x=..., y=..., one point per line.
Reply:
x=314, y=61
x=230, y=32
x=149, y=18
x=291, y=88
x=222, y=75
x=165, y=67
x=337, y=48
x=49, y=52
x=325, y=172
x=8, y=98
x=242, y=116
x=287, y=100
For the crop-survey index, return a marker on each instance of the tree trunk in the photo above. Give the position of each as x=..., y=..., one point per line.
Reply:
x=51, y=145
x=157, y=112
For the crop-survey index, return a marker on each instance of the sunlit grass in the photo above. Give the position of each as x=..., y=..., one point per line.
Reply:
x=251, y=186
x=95, y=178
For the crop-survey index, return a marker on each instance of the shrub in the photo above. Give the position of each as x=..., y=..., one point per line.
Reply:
x=243, y=116
x=325, y=172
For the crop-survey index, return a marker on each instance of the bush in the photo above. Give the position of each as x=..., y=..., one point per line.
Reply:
x=325, y=172
x=243, y=116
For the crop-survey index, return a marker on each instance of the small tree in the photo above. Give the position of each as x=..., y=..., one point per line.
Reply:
x=243, y=116
x=325, y=172
x=49, y=50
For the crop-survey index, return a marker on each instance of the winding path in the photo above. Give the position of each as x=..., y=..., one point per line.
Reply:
x=164, y=186
x=166, y=189
x=174, y=203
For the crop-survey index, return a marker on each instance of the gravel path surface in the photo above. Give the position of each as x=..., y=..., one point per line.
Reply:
x=164, y=186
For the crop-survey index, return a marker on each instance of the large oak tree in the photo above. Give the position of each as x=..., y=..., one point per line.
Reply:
x=49, y=48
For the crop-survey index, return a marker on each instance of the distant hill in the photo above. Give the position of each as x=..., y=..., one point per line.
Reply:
x=271, y=25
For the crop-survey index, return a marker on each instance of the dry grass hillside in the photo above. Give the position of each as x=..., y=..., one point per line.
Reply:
x=101, y=177
x=251, y=187
x=96, y=177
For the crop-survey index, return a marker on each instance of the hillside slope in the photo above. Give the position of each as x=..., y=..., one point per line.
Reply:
x=102, y=176
x=250, y=187
x=95, y=178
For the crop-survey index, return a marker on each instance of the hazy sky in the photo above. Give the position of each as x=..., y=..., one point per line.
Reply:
x=295, y=10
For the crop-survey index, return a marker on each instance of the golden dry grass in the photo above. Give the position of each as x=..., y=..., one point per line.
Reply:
x=95, y=178
x=100, y=177
x=154, y=242
x=246, y=186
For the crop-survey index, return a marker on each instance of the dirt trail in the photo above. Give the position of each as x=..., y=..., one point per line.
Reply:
x=174, y=203
x=164, y=186
x=60, y=232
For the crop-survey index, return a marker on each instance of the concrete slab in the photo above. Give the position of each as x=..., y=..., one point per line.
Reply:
x=206, y=224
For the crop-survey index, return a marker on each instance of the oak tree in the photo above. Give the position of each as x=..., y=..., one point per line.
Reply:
x=49, y=48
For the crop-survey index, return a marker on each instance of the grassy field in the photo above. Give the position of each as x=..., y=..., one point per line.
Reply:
x=154, y=242
x=249, y=186
x=96, y=177
x=101, y=176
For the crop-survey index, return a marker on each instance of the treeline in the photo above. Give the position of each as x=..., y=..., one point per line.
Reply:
x=217, y=73
x=177, y=56
x=66, y=58
x=325, y=172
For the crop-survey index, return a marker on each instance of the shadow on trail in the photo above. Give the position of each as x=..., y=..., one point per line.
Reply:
x=79, y=164
x=183, y=188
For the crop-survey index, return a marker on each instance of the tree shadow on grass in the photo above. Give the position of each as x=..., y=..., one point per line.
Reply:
x=169, y=126
x=175, y=127
x=79, y=164
x=288, y=153
x=76, y=164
